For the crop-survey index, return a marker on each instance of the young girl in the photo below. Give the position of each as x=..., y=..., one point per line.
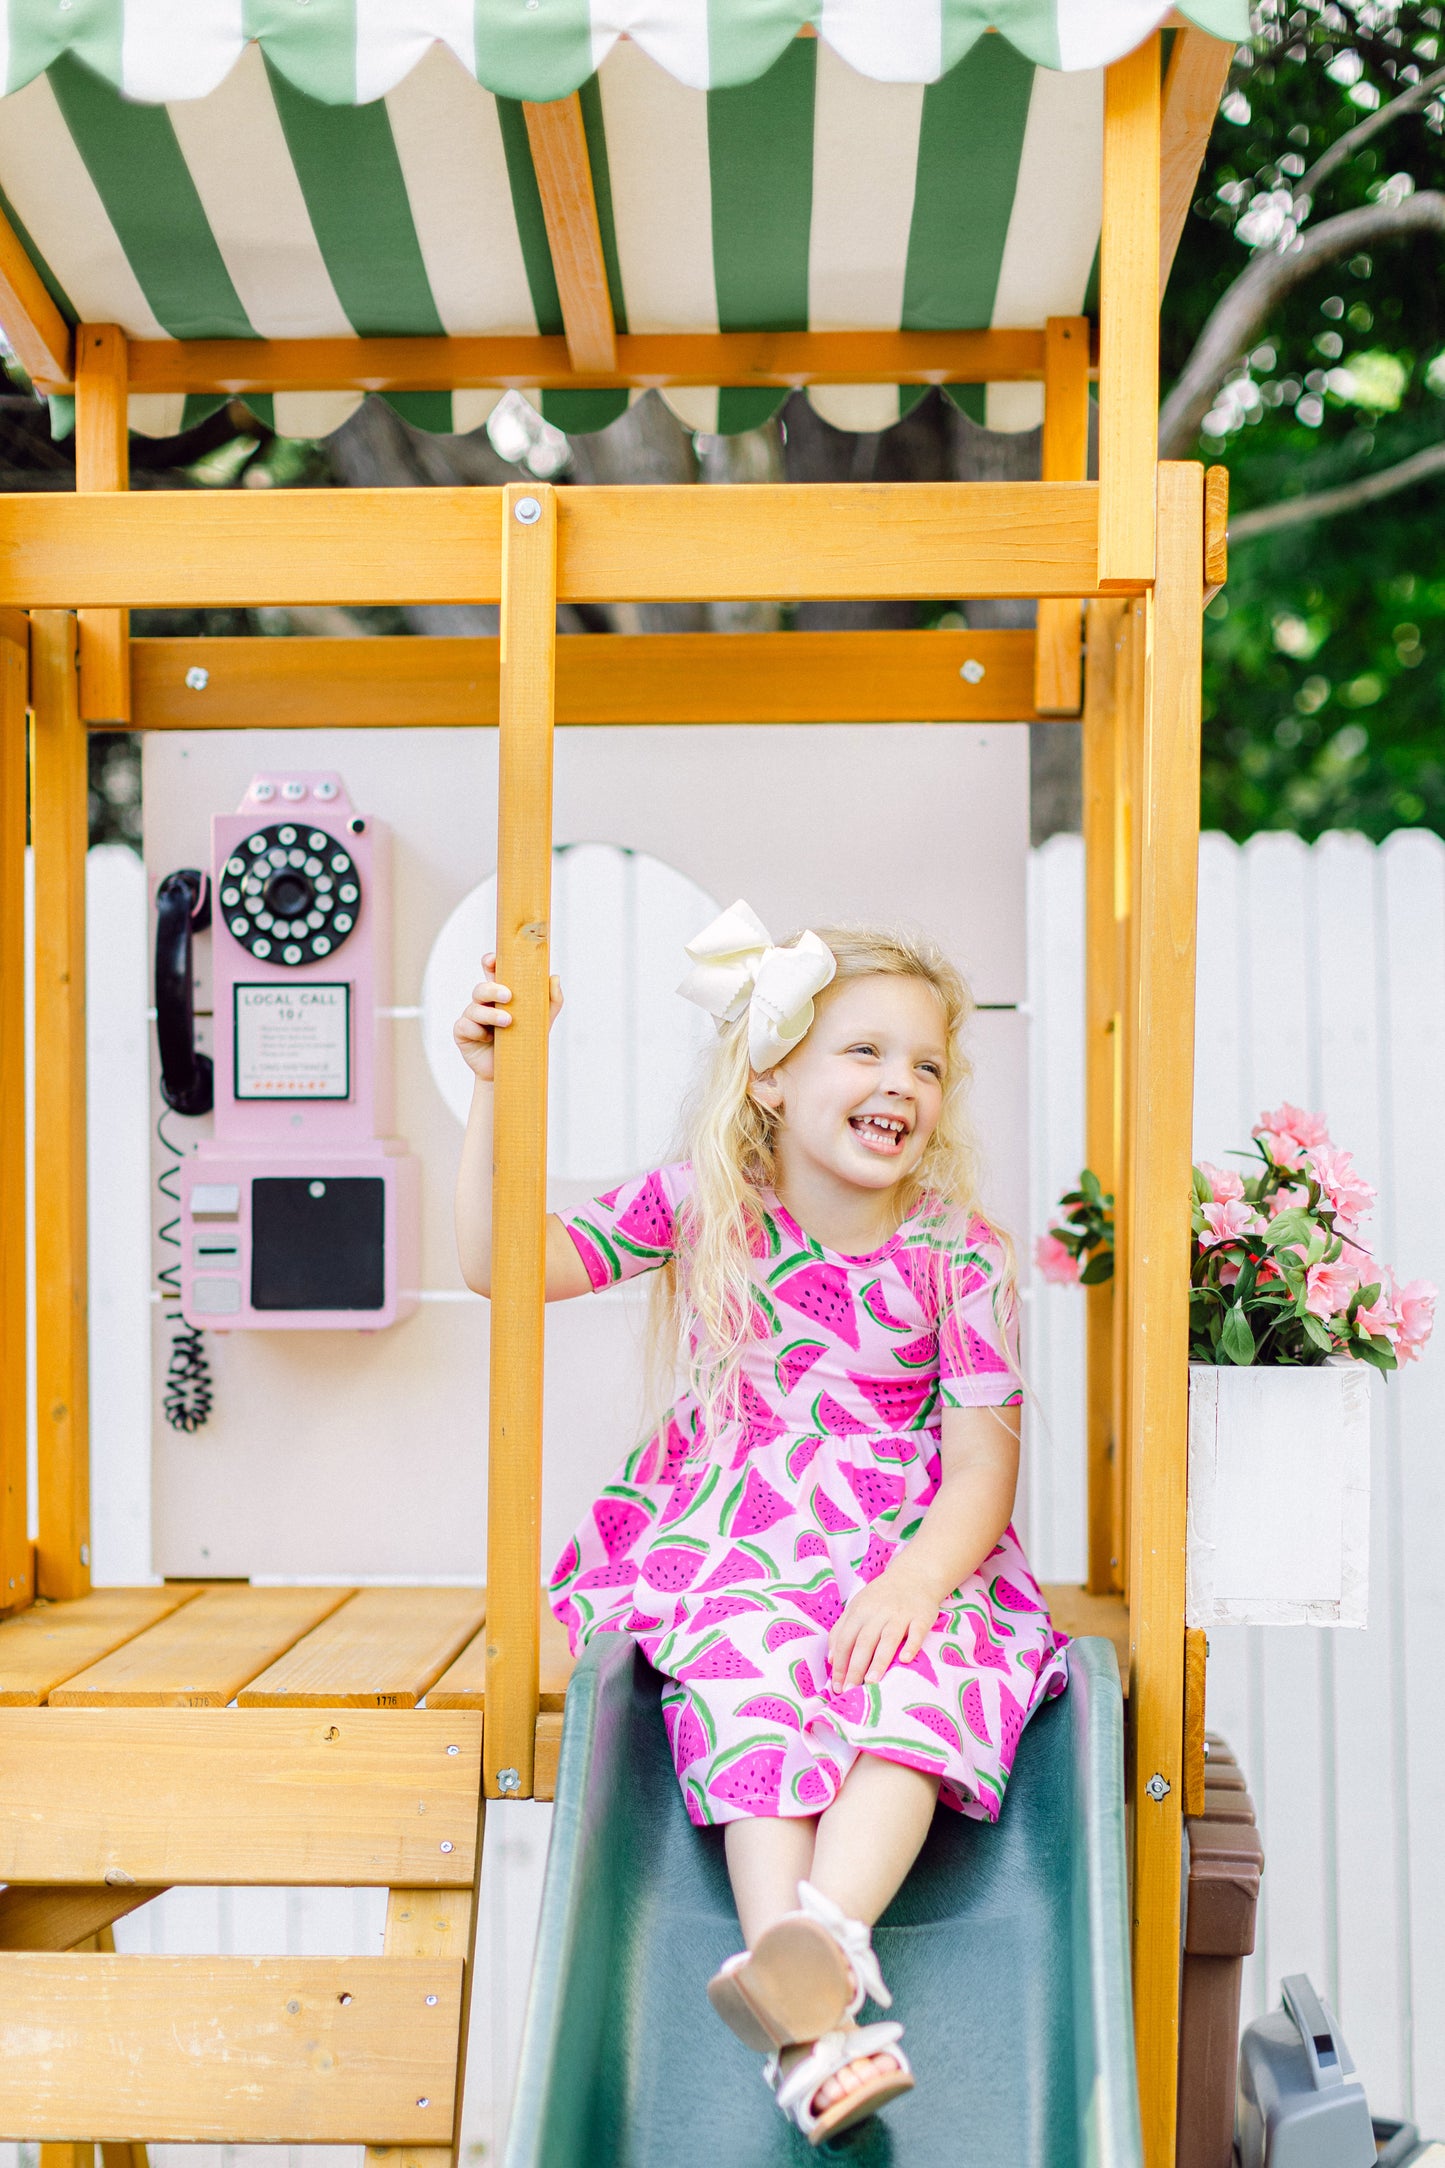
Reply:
x=814, y=1545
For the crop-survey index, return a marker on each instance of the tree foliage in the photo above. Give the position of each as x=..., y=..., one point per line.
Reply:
x=1325, y=657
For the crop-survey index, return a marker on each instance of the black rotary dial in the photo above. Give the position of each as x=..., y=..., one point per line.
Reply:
x=290, y=894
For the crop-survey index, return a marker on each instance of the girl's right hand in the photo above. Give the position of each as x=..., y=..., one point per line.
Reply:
x=487, y=1013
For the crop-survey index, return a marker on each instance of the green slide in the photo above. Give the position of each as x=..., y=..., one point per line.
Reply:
x=1007, y=1951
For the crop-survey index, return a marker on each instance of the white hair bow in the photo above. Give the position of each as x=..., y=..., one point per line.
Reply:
x=737, y=968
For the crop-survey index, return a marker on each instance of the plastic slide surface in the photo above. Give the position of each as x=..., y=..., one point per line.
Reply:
x=1007, y=1952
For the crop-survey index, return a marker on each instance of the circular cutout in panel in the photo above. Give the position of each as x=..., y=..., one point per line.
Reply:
x=625, y=1048
x=273, y=889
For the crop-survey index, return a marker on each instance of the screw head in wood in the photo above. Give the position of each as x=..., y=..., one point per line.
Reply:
x=508, y=1781
x=424, y=2102
x=431, y=2002
x=446, y=1844
x=972, y=671
x=197, y=679
x=1158, y=1787
x=450, y=1749
x=527, y=510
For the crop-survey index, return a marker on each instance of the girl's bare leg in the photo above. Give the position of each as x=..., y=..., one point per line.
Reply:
x=866, y=1843
x=767, y=1859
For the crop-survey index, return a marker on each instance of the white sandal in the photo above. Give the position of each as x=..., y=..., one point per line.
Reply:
x=796, y=2091
x=805, y=1974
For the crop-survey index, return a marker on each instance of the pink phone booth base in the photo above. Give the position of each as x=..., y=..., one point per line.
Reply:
x=295, y=1215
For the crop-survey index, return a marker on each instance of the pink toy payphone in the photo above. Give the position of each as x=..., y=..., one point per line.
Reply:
x=296, y=1213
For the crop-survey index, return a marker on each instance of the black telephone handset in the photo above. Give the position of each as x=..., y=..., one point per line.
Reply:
x=183, y=908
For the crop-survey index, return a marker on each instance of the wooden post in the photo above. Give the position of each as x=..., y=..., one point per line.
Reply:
x=1058, y=655
x=17, y=1564
x=1129, y=319
x=102, y=461
x=519, y=1190
x=1101, y=1055
x=1160, y=1150
x=1129, y=679
x=58, y=821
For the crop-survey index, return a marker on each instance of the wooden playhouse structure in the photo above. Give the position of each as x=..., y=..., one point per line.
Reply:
x=175, y=1734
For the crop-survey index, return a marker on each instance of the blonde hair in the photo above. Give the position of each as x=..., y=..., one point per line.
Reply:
x=703, y=1309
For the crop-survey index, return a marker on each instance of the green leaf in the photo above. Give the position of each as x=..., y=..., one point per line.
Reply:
x=1316, y=1332
x=1236, y=1340
x=1292, y=1225
x=1202, y=1190
x=1098, y=1269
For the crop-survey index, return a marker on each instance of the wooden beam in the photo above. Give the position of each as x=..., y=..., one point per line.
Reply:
x=349, y=1798
x=102, y=461
x=59, y=824
x=1196, y=1664
x=1160, y=1153
x=230, y=2050
x=1216, y=530
x=17, y=1559
x=424, y=1923
x=57, y=1917
x=43, y=1646
x=33, y=325
x=202, y=1655
x=1058, y=659
x=558, y=141
x=776, y=359
x=519, y=1187
x=1129, y=320
x=1198, y=71
x=835, y=541
x=1101, y=1048
x=643, y=678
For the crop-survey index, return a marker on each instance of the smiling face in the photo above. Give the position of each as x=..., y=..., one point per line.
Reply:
x=859, y=1100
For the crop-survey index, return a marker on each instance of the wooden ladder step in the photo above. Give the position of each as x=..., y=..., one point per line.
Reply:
x=358, y=1797
x=230, y=2050
x=53, y=1641
x=380, y=1650
x=200, y=1657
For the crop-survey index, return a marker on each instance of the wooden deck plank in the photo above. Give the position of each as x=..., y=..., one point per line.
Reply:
x=54, y=1917
x=201, y=1657
x=139, y=1797
x=463, y=1684
x=1077, y=1611
x=52, y=1642
x=546, y=1755
x=230, y=2050
x=382, y=1650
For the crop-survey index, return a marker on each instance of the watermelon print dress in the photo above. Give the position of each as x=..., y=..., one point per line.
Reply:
x=729, y=1558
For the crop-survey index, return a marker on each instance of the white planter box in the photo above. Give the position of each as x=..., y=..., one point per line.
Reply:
x=1279, y=1495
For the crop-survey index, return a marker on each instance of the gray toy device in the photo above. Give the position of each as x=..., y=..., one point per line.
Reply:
x=1300, y=2104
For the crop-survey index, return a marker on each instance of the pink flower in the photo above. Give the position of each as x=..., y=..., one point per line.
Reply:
x=1381, y=1316
x=1222, y=1222
x=1329, y=1288
x=1288, y=1133
x=1415, y=1302
x=1057, y=1264
x=1225, y=1185
x=1348, y=1193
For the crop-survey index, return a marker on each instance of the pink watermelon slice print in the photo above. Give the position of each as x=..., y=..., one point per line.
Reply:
x=988, y=1654
x=950, y=1655
x=801, y=1454
x=620, y=1521
x=801, y=1674
x=784, y=1630
x=983, y=1358
x=716, y=1608
x=830, y=1415
x=752, y=1783
x=810, y=1545
x=823, y=1605
x=920, y=1269
x=796, y=1360
x=875, y=1490
x=738, y=1565
x=899, y=1403
x=758, y=1508
x=1012, y=1718
x=772, y=1709
x=875, y=1558
x=689, y=1740
x=675, y=1446
x=971, y=1703
x=616, y=1573
x=812, y=1787
x=828, y=1514
x=921, y=1663
x=594, y=1264
x=567, y=1564
x=723, y=1660
x=638, y=1622
x=673, y=1567
x=820, y=1291
x=934, y=1720
x=919, y=1354
x=761, y=1421
x=683, y=1492
x=875, y=1302
x=647, y=1222
x=1009, y=1598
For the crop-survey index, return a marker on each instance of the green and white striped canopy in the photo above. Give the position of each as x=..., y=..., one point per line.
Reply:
x=319, y=169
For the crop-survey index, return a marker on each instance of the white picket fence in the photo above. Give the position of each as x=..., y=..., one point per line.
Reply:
x=1321, y=980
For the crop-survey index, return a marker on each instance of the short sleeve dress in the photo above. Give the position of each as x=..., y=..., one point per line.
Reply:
x=729, y=1557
